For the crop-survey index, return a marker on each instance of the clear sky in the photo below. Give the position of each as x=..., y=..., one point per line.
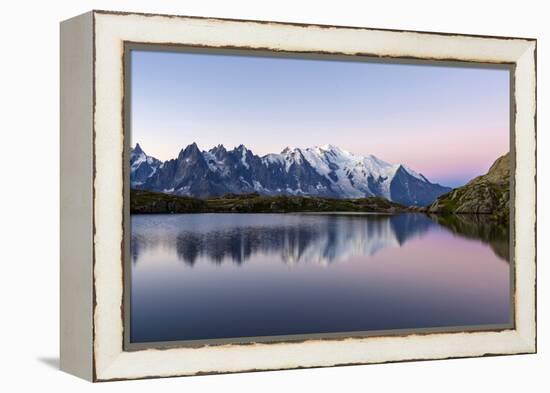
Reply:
x=448, y=123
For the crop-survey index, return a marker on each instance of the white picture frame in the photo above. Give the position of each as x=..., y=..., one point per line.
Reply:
x=93, y=194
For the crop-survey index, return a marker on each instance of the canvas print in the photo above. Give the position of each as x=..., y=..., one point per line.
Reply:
x=285, y=197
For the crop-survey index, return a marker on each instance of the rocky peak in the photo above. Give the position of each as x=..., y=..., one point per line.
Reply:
x=137, y=149
x=142, y=166
x=241, y=148
x=486, y=194
x=190, y=151
x=218, y=148
x=500, y=171
x=286, y=150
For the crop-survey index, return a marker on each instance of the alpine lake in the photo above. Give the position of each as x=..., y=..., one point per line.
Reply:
x=211, y=276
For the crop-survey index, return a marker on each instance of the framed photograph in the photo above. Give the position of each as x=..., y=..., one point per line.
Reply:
x=245, y=195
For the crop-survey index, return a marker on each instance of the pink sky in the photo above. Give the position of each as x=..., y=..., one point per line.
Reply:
x=448, y=123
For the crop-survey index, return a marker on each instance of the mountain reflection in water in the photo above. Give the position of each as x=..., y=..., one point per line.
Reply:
x=298, y=238
x=208, y=276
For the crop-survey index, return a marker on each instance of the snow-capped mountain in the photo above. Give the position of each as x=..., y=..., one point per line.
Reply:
x=142, y=166
x=325, y=171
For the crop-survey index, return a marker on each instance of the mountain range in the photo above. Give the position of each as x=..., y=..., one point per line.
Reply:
x=325, y=171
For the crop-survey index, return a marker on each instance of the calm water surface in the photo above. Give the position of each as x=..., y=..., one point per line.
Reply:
x=206, y=276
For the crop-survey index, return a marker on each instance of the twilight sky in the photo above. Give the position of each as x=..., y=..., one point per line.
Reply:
x=448, y=123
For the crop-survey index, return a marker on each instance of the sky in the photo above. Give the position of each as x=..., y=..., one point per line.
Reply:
x=448, y=123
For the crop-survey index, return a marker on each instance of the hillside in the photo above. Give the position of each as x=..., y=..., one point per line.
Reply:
x=144, y=202
x=487, y=194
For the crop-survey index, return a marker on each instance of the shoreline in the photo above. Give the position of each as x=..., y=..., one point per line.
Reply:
x=333, y=213
x=147, y=202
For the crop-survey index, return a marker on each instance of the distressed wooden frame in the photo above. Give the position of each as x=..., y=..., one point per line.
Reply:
x=92, y=194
